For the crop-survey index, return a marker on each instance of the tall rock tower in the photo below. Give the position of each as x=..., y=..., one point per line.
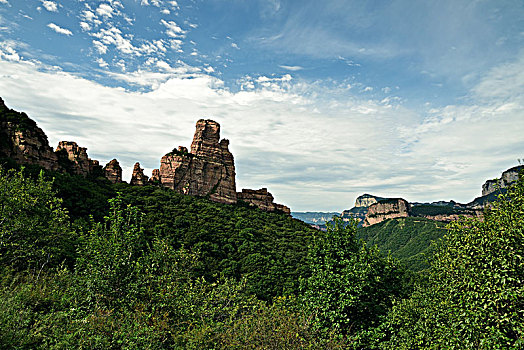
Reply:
x=208, y=170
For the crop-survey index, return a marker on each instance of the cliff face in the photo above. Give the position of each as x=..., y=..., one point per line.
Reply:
x=508, y=177
x=209, y=170
x=113, y=171
x=80, y=163
x=360, y=209
x=138, y=178
x=24, y=142
x=262, y=199
x=387, y=209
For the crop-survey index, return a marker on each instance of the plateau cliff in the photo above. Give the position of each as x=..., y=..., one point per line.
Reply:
x=384, y=209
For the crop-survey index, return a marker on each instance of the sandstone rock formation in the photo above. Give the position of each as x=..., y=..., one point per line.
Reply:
x=261, y=199
x=508, y=177
x=208, y=170
x=360, y=209
x=113, y=171
x=387, y=209
x=155, y=177
x=23, y=141
x=138, y=178
x=80, y=164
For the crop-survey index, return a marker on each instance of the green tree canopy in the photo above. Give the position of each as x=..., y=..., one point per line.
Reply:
x=474, y=298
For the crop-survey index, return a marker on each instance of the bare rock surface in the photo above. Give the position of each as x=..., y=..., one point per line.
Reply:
x=262, y=199
x=113, y=171
x=207, y=171
x=387, y=209
x=138, y=178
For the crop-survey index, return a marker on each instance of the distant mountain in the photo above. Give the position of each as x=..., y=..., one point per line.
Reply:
x=314, y=217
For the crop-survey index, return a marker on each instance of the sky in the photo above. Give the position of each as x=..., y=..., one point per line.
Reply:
x=322, y=101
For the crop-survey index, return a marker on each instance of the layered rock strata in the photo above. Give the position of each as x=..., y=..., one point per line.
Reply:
x=138, y=178
x=387, y=209
x=207, y=171
x=23, y=141
x=508, y=177
x=80, y=163
x=113, y=171
x=261, y=199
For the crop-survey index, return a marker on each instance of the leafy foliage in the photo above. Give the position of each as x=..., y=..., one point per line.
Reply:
x=407, y=239
x=28, y=209
x=474, y=298
x=351, y=286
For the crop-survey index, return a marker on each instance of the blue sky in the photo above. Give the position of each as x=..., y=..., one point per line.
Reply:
x=321, y=100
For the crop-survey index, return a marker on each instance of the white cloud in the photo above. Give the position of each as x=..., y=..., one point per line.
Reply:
x=85, y=26
x=50, y=6
x=367, y=89
x=235, y=46
x=101, y=62
x=113, y=36
x=209, y=69
x=165, y=12
x=314, y=147
x=59, y=29
x=8, y=52
x=173, y=30
x=4, y=2
x=101, y=48
x=292, y=68
x=105, y=10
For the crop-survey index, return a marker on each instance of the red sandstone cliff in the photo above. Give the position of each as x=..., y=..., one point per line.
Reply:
x=113, y=171
x=209, y=170
x=262, y=199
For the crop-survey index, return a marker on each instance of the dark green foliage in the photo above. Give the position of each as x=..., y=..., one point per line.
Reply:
x=352, y=286
x=269, y=249
x=407, y=239
x=21, y=120
x=428, y=209
x=474, y=297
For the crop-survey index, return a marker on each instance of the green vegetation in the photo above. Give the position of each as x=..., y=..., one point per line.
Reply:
x=351, y=286
x=407, y=239
x=90, y=265
x=474, y=295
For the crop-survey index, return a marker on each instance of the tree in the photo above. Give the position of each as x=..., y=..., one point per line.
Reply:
x=34, y=228
x=351, y=286
x=474, y=298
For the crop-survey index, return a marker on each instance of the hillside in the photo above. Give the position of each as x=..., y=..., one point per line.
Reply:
x=408, y=239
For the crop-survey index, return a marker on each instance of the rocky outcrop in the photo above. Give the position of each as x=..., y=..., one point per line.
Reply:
x=366, y=200
x=23, y=141
x=387, y=209
x=261, y=199
x=138, y=178
x=508, y=177
x=155, y=177
x=208, y=170
x=113, y=171
x=79, y=162
x=360, y=209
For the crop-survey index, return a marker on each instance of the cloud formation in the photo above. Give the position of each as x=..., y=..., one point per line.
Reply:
x=59, y=29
